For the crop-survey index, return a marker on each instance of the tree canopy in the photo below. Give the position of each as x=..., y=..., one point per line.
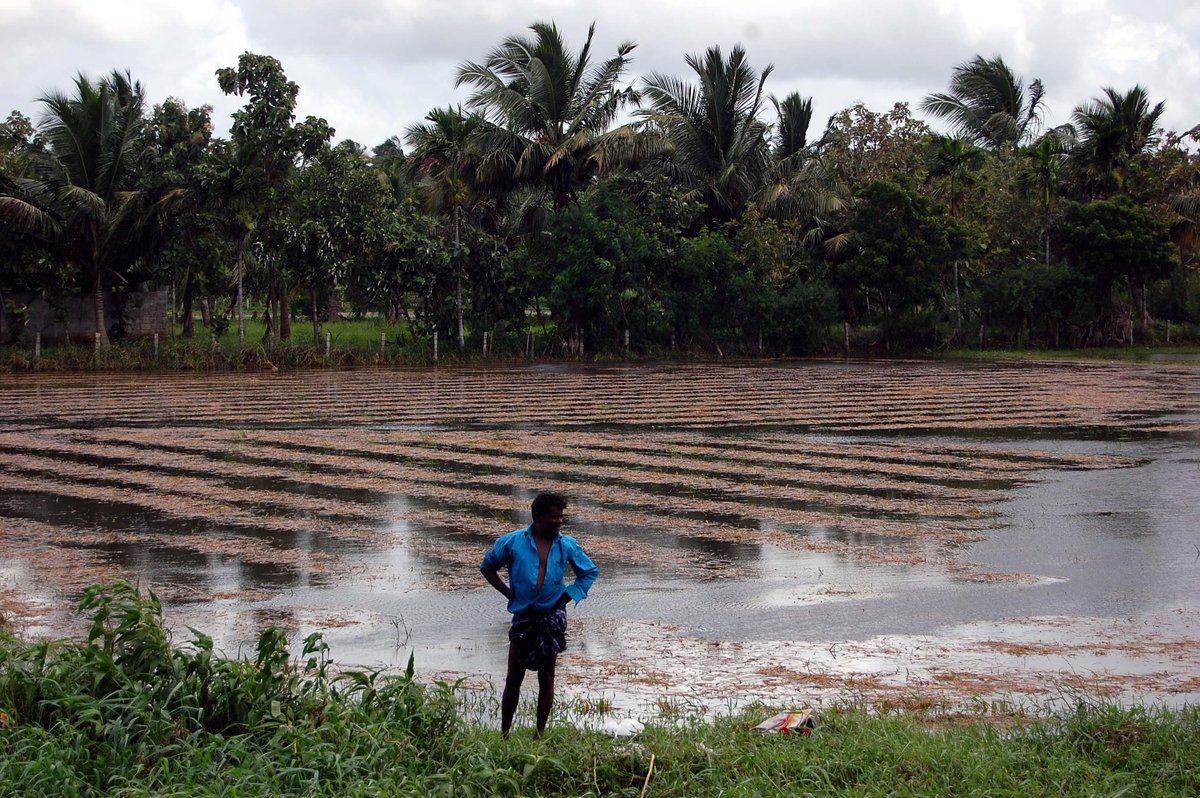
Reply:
x=572, y=202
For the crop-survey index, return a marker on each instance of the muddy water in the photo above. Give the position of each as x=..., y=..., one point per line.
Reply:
x=796, y=532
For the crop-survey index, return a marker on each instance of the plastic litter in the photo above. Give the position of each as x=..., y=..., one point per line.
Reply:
x=795, y=722
x=625, y=727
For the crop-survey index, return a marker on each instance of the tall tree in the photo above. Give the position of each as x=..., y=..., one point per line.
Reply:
x=18, y=255
x=265, y=147
x=447, y=166
x=790, y=137
x=721, y=153
x=551, y=111
x=953, y=160
x=82, y=203
x=800, y=185
x=177, y=146
x=988, y=105
x=331, y=226
x=1113, y=131
x=860, y=147
x=391, y=162
x=1041, y=177
x=903, y=247
x=1116, y=243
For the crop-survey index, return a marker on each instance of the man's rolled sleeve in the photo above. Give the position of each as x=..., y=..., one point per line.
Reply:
x=498, y=556
x=585, y=574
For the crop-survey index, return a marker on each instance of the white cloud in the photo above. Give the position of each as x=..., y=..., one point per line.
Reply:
x=372, y=67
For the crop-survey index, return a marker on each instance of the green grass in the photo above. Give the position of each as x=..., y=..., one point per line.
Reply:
x=356, y=342
x=125, y=712
x=352, y=343
x=1157, y=353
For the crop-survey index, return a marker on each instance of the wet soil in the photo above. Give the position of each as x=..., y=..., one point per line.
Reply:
x=798, y=532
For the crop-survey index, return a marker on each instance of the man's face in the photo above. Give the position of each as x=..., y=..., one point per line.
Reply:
x=551, y=522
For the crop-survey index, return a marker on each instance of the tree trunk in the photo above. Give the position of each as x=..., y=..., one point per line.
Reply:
x=189, y=297
x=268, y=322
x=1143, y=307
x=98, y=305
x=333, y=302
x=957, y=306
x=284, y=313
x=240, y=304
x=1046, y=228
x=273, y=303
x=315, y=322
x=462, y=337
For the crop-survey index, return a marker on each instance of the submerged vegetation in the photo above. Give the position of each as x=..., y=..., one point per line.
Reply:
x=711, y=221
x=128, y=712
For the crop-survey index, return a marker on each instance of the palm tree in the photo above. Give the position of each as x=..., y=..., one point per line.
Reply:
x=550, y=112
x=1113, y=131
x=988, y=105
x=721, y=151
x=1041, y=177
x=954, y=159
x=81, y=202
x=445, y=163
x=799, y=184
x=791, y=131
x=443, y=159
x=1184, y=200
x=392, y=164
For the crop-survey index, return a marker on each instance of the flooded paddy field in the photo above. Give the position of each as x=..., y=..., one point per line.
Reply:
x=902, y=533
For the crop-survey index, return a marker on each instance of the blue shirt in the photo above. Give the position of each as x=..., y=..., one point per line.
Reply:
x=517, y=551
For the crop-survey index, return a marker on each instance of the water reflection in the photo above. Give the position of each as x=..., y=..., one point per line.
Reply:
x=701, y=550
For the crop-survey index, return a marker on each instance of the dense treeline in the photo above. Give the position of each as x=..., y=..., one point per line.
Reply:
x=715, y=220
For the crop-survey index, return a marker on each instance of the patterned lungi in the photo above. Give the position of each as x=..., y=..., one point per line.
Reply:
x=539, y=637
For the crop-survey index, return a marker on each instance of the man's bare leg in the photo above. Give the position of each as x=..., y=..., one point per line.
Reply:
x=545, y=695
x=512, y=690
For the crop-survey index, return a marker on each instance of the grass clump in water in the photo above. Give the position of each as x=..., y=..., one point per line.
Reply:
x=125, y=712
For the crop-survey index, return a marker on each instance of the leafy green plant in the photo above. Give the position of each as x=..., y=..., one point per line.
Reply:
x=127, y=712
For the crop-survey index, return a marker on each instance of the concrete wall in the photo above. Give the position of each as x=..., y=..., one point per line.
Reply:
x=74, y=317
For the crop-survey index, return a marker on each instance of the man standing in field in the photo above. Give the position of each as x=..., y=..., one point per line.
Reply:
x=537, y=557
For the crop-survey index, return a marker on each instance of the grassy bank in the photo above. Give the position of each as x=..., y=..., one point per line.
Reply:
x=128, y=713
x=364, y=348
x=350, y=343
x=1182, y=353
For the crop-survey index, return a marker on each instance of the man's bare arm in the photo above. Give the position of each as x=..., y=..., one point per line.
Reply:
x=493, y=577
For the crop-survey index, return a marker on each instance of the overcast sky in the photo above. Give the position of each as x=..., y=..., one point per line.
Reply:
x=373, y=67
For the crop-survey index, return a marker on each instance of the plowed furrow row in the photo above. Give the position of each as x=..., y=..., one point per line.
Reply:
x=35, y=535
x=658, y=483
x=484, y=523
x=500, y=470
x=816, y=396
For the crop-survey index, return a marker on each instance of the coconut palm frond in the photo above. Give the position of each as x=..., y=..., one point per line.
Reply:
x=553, y=105
x=988, y=104
x=26, y=217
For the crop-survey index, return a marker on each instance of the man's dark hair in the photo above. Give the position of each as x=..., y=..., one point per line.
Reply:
x=546, y=503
